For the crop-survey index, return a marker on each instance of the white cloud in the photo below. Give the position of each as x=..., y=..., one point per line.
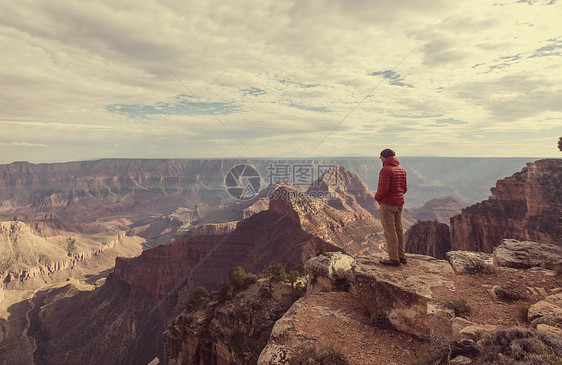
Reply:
x=22, y=144
x=81, y=77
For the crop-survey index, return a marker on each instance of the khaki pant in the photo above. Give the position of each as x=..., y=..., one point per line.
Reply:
x=391, y=219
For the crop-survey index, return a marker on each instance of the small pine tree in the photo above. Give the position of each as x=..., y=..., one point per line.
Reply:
x=198, y=296
x=238, y=277
x=275, y=273
x=292, y=278
x=321, y=252
x=301, y=270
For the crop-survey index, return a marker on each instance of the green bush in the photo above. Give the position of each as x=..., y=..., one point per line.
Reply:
x=224, y=292
x=301, y=270
x=198, y=297
x=322, y=251
x=239, y=279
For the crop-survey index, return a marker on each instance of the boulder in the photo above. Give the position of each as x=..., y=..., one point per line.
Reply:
x=460, y=360
x=550, y=306
x=404, y=295
x=476, y=331
x=549, y=329
x=470, y=262
x=284, y=337
x=527, y=254
x=509, y=292
x=330, y=272
x=465, y=329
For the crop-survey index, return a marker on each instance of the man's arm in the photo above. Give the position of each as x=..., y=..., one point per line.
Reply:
x=384, y=185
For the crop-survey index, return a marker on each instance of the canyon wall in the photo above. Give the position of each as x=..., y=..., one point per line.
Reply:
x=144, y=293
x=88, y=190
x=524, y=206
x=29, y=261
x=429, y=238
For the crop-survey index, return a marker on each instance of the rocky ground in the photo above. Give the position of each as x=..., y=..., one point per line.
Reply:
x=346, y=321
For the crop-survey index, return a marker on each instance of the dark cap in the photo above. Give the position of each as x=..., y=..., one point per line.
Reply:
x=387, y=152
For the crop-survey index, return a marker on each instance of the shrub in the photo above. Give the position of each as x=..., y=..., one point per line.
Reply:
x=198, y=296
x=224, y=292
x=520, y=346
x=549, y=320
x=239, y=279
x=301, y=270
x=459, y=306
x=275, y=273
x=322, y=251
x=319, y=355
x=523, y=310
x=292, y=277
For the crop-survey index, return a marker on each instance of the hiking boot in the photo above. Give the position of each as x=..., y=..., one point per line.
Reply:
x=390, y=262
x=403, y=261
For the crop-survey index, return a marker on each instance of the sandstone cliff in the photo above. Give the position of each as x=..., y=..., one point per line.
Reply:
x=145, y=292
x=344, y=190
x=228, y=332
x=526, y=206
x=87, y=190
x=408, y=314
x=29, y=261
x=428, y=238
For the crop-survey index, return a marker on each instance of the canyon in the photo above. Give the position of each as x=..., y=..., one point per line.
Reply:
x=145, y=292
x=193, y=232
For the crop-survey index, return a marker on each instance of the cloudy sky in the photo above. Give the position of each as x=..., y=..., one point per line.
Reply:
x=274, y=78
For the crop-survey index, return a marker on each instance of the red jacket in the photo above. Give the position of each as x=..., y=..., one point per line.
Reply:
x=392, y=183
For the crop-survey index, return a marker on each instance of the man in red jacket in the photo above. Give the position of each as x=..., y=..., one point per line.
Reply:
x=390, y=196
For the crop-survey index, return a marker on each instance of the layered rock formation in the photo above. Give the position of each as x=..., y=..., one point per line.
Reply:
x=440, y=209
x=153, y=285
x=425, y=299
x=28, y=260
x=42, y=224
x=82, y=192
x=344, y=190
x=428, y=238
x=87, y=190
x=229, y=332
x=330, y=272
x=525, y=206
x=406, y=296
x=525, y=254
